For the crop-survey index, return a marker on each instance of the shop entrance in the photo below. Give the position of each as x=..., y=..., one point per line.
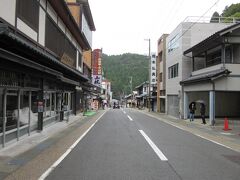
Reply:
x=18, y=114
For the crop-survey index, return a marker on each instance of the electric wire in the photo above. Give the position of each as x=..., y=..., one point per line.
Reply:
x=196, y=22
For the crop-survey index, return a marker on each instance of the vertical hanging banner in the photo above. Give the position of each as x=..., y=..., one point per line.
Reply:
x=97, y=67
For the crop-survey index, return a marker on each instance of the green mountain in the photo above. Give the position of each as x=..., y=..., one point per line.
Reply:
x=120, y=68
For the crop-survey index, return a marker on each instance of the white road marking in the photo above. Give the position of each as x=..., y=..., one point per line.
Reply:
x=124, y=112
x=154, y=147
x=56, y=163
x=229, y=134
x=196, y=134
x=130, y=118
x=215, y=142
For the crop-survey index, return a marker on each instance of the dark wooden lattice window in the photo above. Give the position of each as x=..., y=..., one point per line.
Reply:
x=79, y=59
x=70, y=50
x=54, y=38
x=28, y=11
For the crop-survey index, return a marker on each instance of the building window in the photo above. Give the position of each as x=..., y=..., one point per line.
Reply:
x=153, y=80
x=79, y=60
x=153, y=62
x=153, y=74
x=70, y=50
x=54, y=39
x=160, y=57
x=214, y=58
x=160, y=77
x=145, y=89
x=173, y=71
x=57, y=42
x=153, y=68
x=173, y=43
x=28, y=11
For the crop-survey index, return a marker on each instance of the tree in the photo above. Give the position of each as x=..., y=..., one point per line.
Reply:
x=118, y=69
x=231, y=10
x=215, y=17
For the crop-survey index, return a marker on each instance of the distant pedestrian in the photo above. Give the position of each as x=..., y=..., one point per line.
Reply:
x=202, y=111
x=192, y=108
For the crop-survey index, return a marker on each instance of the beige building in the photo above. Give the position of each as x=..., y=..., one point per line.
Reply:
x=161, y=73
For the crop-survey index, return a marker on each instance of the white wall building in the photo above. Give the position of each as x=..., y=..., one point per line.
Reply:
x=178, y=66
x=215, y=75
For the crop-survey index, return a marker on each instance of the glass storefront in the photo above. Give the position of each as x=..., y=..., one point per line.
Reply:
x=20, y=95
x=1, y=110
x=12, y=110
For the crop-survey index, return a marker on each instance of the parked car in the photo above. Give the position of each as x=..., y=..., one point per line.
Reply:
x=116, y=106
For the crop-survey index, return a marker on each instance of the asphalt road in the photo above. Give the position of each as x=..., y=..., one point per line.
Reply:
x=126, y=144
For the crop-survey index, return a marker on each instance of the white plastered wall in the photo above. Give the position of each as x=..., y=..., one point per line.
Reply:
x=8, y=10
x=23, y=27
x=42, y=24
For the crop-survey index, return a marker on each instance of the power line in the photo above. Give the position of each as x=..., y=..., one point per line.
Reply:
x=199, y=18
x=196, y=21
x=173, y=15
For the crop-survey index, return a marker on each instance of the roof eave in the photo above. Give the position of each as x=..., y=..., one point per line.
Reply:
x=209, y=78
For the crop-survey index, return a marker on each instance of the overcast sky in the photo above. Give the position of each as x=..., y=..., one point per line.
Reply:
x=122, y=25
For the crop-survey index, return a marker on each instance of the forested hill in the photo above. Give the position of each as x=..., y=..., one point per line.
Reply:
x=119, y=68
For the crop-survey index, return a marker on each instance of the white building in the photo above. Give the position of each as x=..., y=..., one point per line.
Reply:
x=178, y=66
x=215, y=74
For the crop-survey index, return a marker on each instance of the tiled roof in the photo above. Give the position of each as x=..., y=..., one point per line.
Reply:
x=205, y=76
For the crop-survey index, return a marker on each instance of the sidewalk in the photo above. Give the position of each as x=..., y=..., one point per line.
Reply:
x=216, y=134
x=54, y=139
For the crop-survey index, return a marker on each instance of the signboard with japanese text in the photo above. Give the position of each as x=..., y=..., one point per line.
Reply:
x=97, y=80
x=97, y=62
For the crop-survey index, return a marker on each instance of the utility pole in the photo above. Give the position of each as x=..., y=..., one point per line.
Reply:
x=149, y=71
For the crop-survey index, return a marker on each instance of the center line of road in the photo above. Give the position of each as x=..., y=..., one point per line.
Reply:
x=153, y=146
x=130, y=118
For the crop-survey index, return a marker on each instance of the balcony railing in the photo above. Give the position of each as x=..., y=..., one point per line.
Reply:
x=204, y=19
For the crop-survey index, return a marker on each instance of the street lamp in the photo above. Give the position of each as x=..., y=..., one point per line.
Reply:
x=149, y=71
